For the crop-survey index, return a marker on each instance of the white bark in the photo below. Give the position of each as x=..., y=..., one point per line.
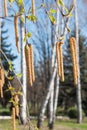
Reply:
x=51, y=105
x=0, y=20
x=56, y=98
x=56, y=92
x=78, y=89
x=43, y=107
x=23, y=67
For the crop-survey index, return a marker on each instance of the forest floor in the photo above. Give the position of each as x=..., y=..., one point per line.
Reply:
x=59, y=125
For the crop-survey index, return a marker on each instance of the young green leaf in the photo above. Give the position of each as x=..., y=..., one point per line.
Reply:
x=10, y=66
x=70, y=15
x=19, y=75
x=10, y=77
x=20, y=93
x=60, y=2
x=10, y=89
x=25, y=38
x=28, y=34
x=32, y=18
x=22, y=10
x=52, y=19
x=52, y=11
x=68, y=29
x=22, y=19
x=11, y=1
x=20, y=2
x=66, y=9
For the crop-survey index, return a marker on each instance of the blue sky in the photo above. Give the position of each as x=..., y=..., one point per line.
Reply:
x=82, y=13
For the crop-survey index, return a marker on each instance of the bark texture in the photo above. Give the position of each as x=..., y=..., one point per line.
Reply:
x=23, y=113
x=78, y=88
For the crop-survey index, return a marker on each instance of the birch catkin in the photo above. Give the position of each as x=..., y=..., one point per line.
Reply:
x=59, y=56
x=5, y=8
x=1, y=89
x=61, y=61
x=1, y=81
x=32, y=63
x=28, y=63
x=2, y=76
x=16, y=99
x=13, y=118
x=74, y=58
x=33, y=7
x=16, y=32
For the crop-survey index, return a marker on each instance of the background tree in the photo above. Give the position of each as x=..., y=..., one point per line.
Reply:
x=7, y=48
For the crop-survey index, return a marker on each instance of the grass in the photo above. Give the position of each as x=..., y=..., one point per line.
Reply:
x=59, y=125
x=73, y=125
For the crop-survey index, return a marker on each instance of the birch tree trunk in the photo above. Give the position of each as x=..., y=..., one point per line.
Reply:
x=0, y=20
x=51, y=106
x=44, y=104
x=78, y=88
x=54, y=93
x=23, y=71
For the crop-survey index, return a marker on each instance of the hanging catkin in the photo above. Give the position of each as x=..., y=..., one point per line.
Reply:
x=2, y=76
x=13, y=118
x=33, y=7
x=61, y=61
x=16, y=32
x=74, y=58
x=58, y=58
x=1, y=89
x=0, y=73
x=1, y=81
x=32, y=63
x=28, y=63
x=5, y=8
x=16, y=99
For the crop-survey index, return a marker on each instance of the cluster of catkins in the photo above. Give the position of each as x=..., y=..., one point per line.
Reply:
x=29, y=62
x=59, y=57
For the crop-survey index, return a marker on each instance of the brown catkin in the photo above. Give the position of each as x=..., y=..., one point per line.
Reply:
x=28, y=63
x=2, y=76
x=16, y=99
x=61, y=61
x=32, y=63
x=13, y=119
x=0, y=73
x=33, y=7
x=74, y=58
x=16, y=32
x=58, y=58
x=5, y=8
x=1, y=89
